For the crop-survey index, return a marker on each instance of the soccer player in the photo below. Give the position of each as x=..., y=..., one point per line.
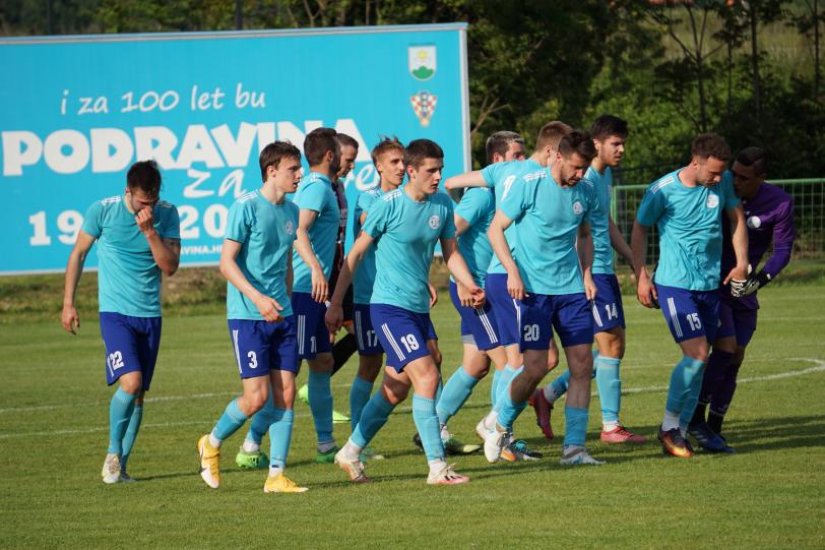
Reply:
x=686, y=208
x=388, y=158
x=313, y=257
x=256, y=259
x=502, y=176
x=550, y=211
x=609, y=134
x=406, y=223
x=138, y=239
x=769, y=219
x=343, y=349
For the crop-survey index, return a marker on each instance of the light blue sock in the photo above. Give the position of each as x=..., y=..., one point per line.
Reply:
x=373, y=417
x=509, y=410
x=610, y=387
x=359, y=394
x=229, y=422
x=120, y=413
x=559, y=385
x=682, y=381
x=261, y=421
x=693, y=396
x=280, y=436
x=426, y=422
x=131, y=434
x=505, y=377
x=320, y=402
x=575, y=425
x=455, y=394
x=494, y=388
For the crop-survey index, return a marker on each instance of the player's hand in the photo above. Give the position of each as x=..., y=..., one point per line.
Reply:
x=738, y=273
x=320, y=286
x=70, y=319
x=646, y=291
x=754, y=283
x=145, y=221
x=515, y=286
x=478, y=297
x=334, y=317
x=433, y=295
x=270, y=309
x=589, y=287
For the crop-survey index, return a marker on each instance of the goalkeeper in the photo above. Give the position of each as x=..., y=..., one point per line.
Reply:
x=769, y=218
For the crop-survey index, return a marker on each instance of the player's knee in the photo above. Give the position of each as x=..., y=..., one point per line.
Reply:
x=132, y=383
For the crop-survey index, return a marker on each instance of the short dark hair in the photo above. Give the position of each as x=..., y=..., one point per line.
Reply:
x=710, y=145
x=577, y=141
x=608, y=125
x=318, y=142
x=386, y=144
x=551, y=134
x=145, y=176
x=499, y=142
x=420, y=149
x=345, y=140
x=754, y=156
x=272, y=154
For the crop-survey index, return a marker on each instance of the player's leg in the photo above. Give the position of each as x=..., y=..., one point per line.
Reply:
x=282, y=381
x=148, y=345
x=720, y=358
x=682, y=317
x=250, y=341
x=370, y=360
x=573, y=321
x=745, y=325
x=123, y=366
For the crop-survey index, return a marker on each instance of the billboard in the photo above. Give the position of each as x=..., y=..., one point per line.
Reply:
x=76, y=112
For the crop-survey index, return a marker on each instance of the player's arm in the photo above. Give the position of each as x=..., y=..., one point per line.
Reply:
x=166, y=252
x=74, y=269
x=268, y=307
x=645, y=290
x=618, y=243
x=470, y=179
x=585, y=250
x=320, y=286
x=335, y=314
x=498, y=241
x=471, y=295
x=739, y=238
x=290, y=275
x=783, y=237
x=461, y=225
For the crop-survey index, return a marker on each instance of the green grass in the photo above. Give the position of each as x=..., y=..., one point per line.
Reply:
x=53, y=433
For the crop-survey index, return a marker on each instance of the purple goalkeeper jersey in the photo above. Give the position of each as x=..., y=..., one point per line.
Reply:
x=769, y=217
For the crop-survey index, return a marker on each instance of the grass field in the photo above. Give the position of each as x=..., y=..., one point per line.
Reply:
x=53, y=433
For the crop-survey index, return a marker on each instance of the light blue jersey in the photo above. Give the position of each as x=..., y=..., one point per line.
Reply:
x=266, y=232
x=315, y=193
x=501, y=176
x=548, y=217
x=128, y=277
x=364, y=278
x=689, y=221
x=477, y=207
x=406, y=232
x=602, y=185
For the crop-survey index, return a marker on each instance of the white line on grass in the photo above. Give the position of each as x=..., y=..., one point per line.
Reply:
x=819, y=366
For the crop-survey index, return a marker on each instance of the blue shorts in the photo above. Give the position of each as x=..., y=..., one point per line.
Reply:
x=690, y=313
x=737, y=322
x=368, y=343
x=402, y=333
x=608, y=312
x=131, y=345
x=506, y=310
x=261, y=346
x=570, y=314
x=478, y=326
x=312, y=333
